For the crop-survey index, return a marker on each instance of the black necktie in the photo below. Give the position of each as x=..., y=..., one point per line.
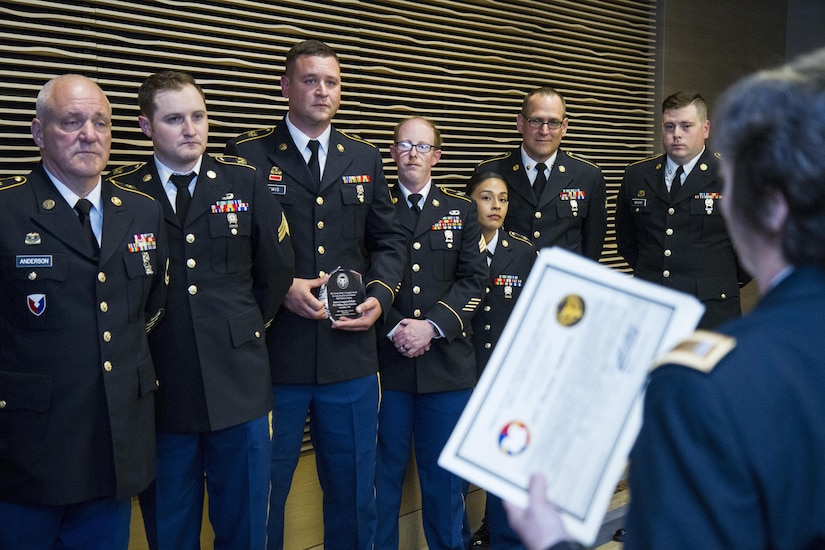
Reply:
x=540, y=181
x=314, y=164
x=489, y=257
x=183, y=197
x=416, y=210
x=676, y=183
x=82, y=207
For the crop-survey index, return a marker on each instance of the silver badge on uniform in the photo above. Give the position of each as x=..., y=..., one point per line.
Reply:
x=147, y=263
x=448, y=237
x=232, y=219
x=32, y=238
x=360, y=190
x=508, y=291
x=709, y=206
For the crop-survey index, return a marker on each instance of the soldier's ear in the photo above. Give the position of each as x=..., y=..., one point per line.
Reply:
x=37, y=132
x=145, y=125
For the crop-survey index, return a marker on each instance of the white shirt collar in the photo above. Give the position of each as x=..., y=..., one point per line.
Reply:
x=95, y=196
x=301, y=141
x=424, y=192
x=530, y=163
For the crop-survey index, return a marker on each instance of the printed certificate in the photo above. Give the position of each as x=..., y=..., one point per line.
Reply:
x=562, y=393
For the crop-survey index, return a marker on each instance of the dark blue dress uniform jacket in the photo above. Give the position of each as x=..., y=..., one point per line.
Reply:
x=348, y=222
x=735, y=457
x=77, y=384
x=572, y=211
x=444, y=282
x=682, y=244
x=227, y=280
x=511, y=264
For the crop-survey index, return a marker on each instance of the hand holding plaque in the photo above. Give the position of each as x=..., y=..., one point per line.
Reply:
x=342, y=293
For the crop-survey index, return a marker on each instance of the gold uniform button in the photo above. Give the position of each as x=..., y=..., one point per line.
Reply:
x=257, y=334
x=488, y=290
x=104, y=307
x=538, y=215
x=321, y=250
x=669, y=232
x=101, y=277
x=666, y=274
x=320, y=225
x=107, y=366
x=2, y=404
x=319, y=200
x=536, y=234
x=322, y=273
x=233, y=231
x=416, y=289
x=107, y=336
x=487, y=308
x=671, y=210
x=723, y=296
x=487, y=345
x=190, y=238
x=668, y=253
x=487, y=327
x=191, y=263
x=33, y=275
x=416, y=245
x=417, y=313
x=193, y=289
x=416, y=268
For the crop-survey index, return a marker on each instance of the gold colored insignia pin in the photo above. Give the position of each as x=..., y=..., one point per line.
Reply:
x=116, y=201
x=275, y=170
x=504, y=243
x=703, y=167
x=436, y=203
x=562, y=169
x=282, y=147
x=515, y=167
x=147, y=178
x=641, y=193
x=659, y=166
x=211, y=174
x=340, y=148
x=48, y=204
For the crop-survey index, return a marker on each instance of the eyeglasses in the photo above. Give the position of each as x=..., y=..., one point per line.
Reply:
x=537, y=123
x=406, y=147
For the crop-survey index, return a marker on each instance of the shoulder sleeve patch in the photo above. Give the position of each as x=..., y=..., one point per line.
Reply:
x=500, y=157
x=355, y=138
x=701, y=351
x=455, y=193
x=520, y=237
x=13, y=181
x=233, y=161
x=254, y=134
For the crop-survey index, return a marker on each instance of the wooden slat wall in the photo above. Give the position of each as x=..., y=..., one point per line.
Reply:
x=466, y=64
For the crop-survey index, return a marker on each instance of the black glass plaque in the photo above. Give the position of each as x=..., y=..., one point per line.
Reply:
x=342, y=293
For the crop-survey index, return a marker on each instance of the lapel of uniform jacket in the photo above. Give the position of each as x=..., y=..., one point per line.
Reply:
x=402, y=209
x=699, y=178
x=518, y=181
x=286, y=156
x=338, y=161
x=56, y=216
x=208, y=190
x=117, y=221
x=151, y=185
x=502, y=257
x=655, y=179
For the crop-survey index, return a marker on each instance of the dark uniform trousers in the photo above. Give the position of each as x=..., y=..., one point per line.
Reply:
x=731, y=454
x=77, y=383
x=348, y=221
x=572, y=211
x=680, y=243
x=423, y=397
x=231, y=265
x=509, y=268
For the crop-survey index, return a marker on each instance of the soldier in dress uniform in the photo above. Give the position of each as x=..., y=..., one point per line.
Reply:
x=669, y=227
x=510, y=258
x=556, y=198
x=84, y=279
x=231, y=265
x=336, y=199
x=731, y=446
x=425, y=350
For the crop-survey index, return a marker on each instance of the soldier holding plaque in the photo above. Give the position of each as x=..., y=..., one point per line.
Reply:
x=332, y=188
x=426, y=353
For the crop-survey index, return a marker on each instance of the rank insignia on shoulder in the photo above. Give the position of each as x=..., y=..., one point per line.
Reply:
x=701, y=351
